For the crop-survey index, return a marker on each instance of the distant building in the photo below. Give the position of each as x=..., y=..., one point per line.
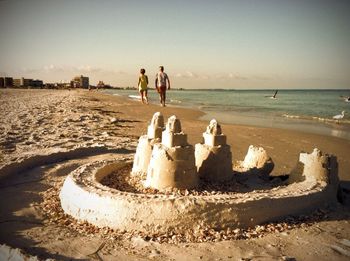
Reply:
x=22, y=82
x=80, y=82
x=100, y=84
x=50, y=86
x=2, y=82
x=8, y=81
x=61, y=85
x=37, y=83
x=65, y=85
x=17, y=82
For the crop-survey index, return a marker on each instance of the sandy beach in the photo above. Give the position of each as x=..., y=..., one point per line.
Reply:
x=64, y=129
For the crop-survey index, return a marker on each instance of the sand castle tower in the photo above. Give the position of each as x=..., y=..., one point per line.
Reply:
x=172, y=162
x=146, y=142
x=214, y=157
x=311, y=167
x=257, y=160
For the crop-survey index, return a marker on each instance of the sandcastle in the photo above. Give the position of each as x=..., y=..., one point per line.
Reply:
x=214, y=157
x=174, y=164
x=146, y=142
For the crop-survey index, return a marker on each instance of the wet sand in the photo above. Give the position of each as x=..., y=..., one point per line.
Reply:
x=92, y=126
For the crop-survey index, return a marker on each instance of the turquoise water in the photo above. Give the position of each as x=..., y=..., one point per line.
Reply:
x=305, y=110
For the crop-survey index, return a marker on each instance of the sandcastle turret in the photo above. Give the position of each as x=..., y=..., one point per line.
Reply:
x=311, y=167
x=146, y=142
x=257, y=160
x=172, y=162
x=214, y=157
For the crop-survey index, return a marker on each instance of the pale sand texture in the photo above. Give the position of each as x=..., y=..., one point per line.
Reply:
x=44, y=122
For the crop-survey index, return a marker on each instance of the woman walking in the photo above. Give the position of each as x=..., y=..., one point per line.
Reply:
x=143, y=84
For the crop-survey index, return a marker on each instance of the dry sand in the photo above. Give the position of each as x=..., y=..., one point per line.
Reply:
x=70, y=128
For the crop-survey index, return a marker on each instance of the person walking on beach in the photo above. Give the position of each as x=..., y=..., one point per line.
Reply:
x=161, y=84
x=143, y=83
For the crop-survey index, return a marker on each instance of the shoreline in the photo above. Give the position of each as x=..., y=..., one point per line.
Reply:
x=307, y=124
x=321, y=127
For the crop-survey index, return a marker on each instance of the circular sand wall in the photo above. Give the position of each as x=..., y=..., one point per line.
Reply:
x=85, y=198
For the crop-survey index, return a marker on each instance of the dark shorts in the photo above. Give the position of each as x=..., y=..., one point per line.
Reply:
x=162, y=89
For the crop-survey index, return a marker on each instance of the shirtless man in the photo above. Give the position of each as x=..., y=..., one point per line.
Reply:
x=161, y=84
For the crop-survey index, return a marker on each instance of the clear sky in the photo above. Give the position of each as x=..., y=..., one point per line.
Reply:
x=202, y=44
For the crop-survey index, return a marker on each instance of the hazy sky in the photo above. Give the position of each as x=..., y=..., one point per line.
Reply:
x=202, y=44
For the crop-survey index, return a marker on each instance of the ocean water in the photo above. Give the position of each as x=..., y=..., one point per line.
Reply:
x=306, y=110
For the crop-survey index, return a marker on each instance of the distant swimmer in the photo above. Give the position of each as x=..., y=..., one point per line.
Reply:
x=346, y=98
x=339, y=116
x=273, y=96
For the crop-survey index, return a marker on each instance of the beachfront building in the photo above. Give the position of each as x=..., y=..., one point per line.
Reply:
x=6, y=82
x=50, y=86
x=80, y=82
x=37, y=83
x=61, y=85
x=100, y=84
x=22, y=82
